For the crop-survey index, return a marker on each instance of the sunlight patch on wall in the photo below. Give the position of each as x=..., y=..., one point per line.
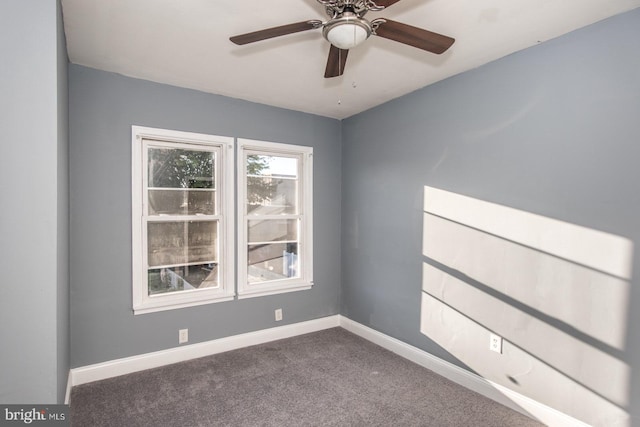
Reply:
x=596, y=249
x=592, y=302
x=514, y=368
x=556, y=292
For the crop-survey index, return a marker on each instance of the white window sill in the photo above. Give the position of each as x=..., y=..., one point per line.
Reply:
x=155, y=307
x=252, y=293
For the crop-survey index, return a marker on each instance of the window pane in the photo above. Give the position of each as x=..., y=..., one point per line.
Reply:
x=184, y=278
x=180, y=168
x=271, y=184
x=271, y=196
x=181, y=202
x=271, y=230
x=177, y=243
x=264, y=165
x=274, y=261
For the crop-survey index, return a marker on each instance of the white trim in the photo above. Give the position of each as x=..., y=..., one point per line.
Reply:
x=493, y=391
x=281, y=290
x=67, y=394
x=178, y=136
x=101, y=371
x=174, y=305
x=259, y=145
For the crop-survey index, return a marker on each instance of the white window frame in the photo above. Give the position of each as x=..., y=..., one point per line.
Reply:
x=304, y=214
x=225, y=216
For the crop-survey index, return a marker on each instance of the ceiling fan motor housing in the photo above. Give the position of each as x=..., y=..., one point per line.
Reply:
x=347, y=31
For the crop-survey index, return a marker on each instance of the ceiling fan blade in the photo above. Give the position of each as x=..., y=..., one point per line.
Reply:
x=336, y=62
x=275, y=32
x=414, y=36
x=385, y=3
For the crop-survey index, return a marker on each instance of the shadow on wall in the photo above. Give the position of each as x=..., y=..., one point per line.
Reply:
x=556, y=292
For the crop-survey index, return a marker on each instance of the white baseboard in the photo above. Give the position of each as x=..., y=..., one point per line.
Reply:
x=493, y=391
x=496, y=392
x=156, y=359
x=67, y=394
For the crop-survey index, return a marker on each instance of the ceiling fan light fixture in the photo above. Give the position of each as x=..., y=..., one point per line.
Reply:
x=348, y=31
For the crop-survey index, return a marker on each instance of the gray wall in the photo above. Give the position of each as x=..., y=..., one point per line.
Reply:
x=103, y=106
x=34, y=327
x=552, y=130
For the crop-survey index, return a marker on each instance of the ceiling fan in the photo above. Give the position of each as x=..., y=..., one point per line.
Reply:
x=347, y=28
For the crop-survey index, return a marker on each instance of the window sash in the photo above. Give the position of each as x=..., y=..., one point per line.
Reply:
x=221, y=148
x=149, y=144
x=302, y=216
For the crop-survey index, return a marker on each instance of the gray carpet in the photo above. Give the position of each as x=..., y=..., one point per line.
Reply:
x=327, y=378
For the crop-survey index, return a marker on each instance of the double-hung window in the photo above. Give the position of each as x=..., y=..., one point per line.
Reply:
x=183, y=219
x=275, y=218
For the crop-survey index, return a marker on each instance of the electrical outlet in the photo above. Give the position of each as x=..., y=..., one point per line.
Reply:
x=278, y=314
x=183, y=336
x=495, y=343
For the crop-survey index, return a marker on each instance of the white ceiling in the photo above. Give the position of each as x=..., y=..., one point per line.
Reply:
x=186, y=43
